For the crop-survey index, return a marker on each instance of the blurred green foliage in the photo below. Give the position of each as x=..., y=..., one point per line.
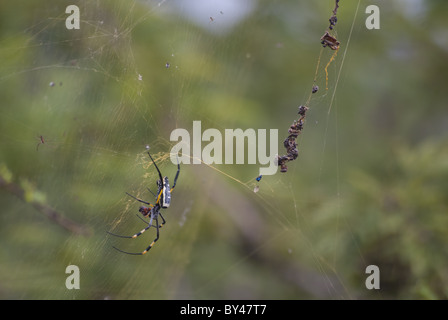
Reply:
x=369, y=186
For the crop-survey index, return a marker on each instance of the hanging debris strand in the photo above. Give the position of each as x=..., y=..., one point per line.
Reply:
x=327, y=40
x=290, y=142
x=333, y=19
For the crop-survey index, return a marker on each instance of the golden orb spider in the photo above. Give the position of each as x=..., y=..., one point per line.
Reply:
x=163, y=201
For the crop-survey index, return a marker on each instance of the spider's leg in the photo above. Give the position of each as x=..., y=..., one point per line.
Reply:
x=157, y=236
x=146, y=222
x=160, y=175
x=149, y=247
x=129, y=237
x=177, y=174
x=135, y=235
x=140, y=200
x=163, y=220
x=152, y=193
x=159, y=196
x=133, y=253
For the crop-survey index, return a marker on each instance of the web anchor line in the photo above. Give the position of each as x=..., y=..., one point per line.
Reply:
x=290, y=144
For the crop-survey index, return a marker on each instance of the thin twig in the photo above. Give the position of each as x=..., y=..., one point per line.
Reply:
x=49, y=212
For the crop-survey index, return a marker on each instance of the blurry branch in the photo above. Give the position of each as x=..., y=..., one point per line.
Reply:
x=36, y=199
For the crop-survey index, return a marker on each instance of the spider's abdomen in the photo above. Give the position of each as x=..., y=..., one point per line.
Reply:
x=166, y=194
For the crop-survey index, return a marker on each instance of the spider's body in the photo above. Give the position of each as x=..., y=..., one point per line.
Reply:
x=163, y=201
x=164, y=193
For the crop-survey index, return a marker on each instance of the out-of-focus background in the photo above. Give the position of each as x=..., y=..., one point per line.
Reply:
x=79, y=107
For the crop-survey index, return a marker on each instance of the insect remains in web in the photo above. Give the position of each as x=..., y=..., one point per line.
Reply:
x=327, y=39
x=162, y=201
x=330, y=41
x=333, y=19
x=290, y=142
x=41, y=141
